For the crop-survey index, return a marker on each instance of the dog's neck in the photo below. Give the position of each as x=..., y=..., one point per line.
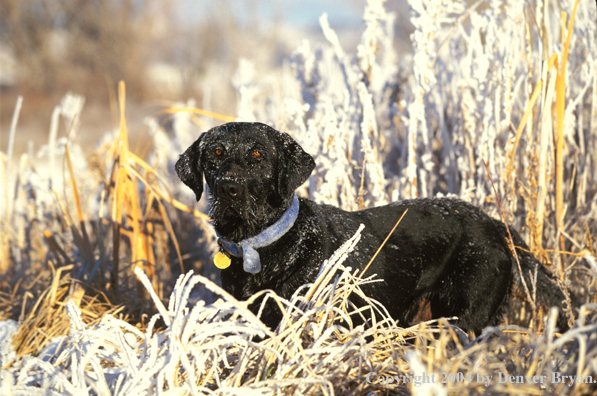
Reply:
x=246, y=248
x=253, y=222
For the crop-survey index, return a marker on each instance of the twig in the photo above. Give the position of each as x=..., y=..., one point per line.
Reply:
x=513, y=247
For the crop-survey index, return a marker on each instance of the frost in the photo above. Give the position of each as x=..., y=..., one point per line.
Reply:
x=7, y=353
x=247, y=90
x=381, y=125
x=192, y=354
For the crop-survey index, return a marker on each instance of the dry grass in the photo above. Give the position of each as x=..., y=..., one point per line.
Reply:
x=219, y=349
x=53, y=257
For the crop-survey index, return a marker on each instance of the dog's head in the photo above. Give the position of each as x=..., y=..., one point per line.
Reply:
x=252, y=171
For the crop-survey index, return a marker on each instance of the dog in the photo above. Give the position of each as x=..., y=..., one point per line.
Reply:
x=446, y=258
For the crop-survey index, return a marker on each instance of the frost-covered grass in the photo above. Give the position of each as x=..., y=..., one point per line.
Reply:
x=219, y=349
x=510, y=83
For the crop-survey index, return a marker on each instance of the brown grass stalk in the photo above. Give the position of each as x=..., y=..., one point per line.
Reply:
x=545, y=134
x=521, y=126
x=126, y=197
x=561, y=110
x=194, y=110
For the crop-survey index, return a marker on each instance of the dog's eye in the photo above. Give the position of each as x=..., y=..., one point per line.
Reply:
x=256, y=154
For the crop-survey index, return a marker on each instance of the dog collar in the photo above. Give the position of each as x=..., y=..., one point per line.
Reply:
x=246, y=248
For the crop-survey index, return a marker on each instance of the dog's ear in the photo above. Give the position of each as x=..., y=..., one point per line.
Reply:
x=294, y=164
x=189, y=169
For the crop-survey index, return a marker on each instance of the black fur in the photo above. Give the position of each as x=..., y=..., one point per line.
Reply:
x=446, y=258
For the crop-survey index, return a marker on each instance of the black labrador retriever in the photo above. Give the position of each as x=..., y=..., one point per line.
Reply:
x=446, y=258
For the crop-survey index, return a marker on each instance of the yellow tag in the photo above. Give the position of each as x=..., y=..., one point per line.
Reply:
x=221, y=260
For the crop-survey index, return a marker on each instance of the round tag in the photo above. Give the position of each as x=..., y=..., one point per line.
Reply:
x=221, y=260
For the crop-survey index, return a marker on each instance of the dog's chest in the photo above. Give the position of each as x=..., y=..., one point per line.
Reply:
x=286, y=264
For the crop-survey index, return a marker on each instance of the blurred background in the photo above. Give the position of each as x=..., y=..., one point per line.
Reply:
x=165, y=50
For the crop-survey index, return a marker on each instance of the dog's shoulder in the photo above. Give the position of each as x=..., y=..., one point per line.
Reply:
x=335, y=221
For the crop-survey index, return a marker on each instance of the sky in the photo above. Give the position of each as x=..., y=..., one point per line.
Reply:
x=300, y=13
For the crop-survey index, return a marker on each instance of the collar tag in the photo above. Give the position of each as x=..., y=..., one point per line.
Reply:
x=222, y=260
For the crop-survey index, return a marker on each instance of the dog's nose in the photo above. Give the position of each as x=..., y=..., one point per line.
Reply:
x=229, y=189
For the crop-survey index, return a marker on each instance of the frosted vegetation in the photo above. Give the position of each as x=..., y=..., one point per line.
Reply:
x=505, y=82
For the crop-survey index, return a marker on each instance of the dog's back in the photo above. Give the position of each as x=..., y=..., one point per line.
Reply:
x=445, y=258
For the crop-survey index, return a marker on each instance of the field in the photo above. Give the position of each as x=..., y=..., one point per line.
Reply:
x=106, y=277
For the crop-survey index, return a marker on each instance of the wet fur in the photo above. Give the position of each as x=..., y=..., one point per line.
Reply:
x=446, y=258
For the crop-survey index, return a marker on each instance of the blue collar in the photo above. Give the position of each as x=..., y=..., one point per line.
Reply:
x=246, y=248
